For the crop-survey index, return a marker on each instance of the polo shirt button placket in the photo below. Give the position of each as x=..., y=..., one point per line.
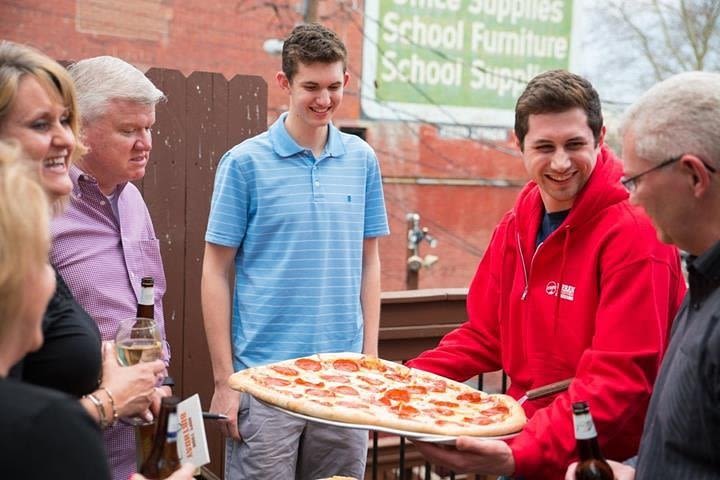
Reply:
x=316, y=183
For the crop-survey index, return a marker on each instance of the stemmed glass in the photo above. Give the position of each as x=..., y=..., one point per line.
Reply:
x=138, y=340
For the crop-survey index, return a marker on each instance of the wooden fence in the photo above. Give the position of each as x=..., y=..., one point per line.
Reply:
x=204, y=116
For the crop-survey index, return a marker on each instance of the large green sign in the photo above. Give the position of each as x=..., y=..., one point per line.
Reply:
x=460, y=61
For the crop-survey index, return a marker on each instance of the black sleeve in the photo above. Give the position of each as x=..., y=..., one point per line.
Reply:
x=65, y=443
x=70, y=359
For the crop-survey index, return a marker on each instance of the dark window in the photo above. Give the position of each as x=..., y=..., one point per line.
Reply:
x=359, y=131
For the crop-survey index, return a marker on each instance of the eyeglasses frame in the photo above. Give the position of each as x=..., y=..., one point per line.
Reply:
x=630, y=183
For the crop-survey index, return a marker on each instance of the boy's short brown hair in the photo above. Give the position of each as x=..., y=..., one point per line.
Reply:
x=557, y=91
x=310, y=43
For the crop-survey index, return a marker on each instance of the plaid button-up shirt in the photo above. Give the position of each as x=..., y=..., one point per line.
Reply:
x=102, y=259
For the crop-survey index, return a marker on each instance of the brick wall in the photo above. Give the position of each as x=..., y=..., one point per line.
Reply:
x=227, y=37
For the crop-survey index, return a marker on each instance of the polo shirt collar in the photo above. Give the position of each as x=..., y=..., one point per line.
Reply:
x=285, y=146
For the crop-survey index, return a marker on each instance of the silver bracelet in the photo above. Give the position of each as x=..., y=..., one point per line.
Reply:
x=112, y=405
x=99, y=407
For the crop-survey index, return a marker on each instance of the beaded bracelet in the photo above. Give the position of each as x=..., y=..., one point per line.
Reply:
x=99, y=407
x=112, y=405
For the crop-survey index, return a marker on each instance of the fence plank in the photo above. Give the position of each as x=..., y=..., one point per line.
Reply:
x=164, y=192
x=204, y=116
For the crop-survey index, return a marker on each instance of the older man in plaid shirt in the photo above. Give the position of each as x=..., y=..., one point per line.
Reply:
x=104, y=242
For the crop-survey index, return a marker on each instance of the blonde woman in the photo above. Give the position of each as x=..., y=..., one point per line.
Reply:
x=38, y=110
x=43, y=432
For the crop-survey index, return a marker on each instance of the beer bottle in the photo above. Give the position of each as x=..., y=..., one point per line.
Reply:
x=592, y=464
x=146, y=305
x=163, y=459
x=145, y=432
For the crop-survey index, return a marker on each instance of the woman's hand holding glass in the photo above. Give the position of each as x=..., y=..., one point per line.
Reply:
x=133, y=387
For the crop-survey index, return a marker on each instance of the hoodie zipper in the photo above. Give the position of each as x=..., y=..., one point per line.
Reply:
x=525, y=270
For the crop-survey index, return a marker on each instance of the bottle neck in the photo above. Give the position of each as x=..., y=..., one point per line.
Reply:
x=172, y=427
x=146, y=305
x=586, y=436
x=161, y=431
x=589, y=449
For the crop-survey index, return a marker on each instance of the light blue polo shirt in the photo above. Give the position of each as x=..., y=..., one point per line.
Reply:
x=298, y=223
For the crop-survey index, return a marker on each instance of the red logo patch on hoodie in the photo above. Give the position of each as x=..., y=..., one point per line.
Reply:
x=567, y=292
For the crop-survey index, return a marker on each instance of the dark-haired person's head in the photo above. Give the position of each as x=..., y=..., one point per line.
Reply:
x=311, y=43
x=559, y=130
x=557, y=91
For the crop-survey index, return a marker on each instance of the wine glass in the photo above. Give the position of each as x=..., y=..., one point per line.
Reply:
x=138, y=340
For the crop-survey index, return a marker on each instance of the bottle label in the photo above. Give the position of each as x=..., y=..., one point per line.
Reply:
x=146, y=296
x=584, y=427
x=173, y=427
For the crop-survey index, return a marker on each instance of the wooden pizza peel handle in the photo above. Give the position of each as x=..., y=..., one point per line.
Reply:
x=546, y=390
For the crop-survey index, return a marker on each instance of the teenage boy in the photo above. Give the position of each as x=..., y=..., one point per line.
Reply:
x=295, y=216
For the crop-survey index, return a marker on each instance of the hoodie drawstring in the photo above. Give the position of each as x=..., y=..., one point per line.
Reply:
x=566, y=245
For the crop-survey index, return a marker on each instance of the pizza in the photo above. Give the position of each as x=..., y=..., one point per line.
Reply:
x=363, y=390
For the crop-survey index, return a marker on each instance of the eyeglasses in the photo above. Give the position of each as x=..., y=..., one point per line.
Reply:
x=630, y=183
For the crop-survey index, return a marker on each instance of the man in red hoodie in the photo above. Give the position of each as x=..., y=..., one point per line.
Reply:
x=573, y=284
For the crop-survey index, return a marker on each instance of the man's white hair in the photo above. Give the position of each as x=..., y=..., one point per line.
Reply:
x=100, y=80
x=676, y=116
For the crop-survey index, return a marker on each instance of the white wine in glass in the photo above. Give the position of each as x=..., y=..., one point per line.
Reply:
x=139, y=350
x=138, y=340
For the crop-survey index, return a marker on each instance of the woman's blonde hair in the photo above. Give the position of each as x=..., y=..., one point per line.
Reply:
x=17, y=61
x=24, y=233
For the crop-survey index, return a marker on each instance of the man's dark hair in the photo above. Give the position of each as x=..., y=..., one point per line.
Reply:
x=557, y=91
x=310, y=43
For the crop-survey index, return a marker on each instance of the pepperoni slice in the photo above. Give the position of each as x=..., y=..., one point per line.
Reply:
x=472, y=397
x=438, y=386
x=444, y=411
x=442, y=403
x=345, y=390
x=397, y=377
x=442, y=422
x=371, y=388
x=497, y=410
x=308, y=364
x=290, y=372
x=417, y=390
x=346, y=365
x=305, y=383
x=276, y=382
x=372, y=363
x=335, y=378
x=397, y=394
x=371, y=381
x=406, y=411
x=478, y=420
x=319, y=392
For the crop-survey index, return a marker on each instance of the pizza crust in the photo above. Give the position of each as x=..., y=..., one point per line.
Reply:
x=416, y=414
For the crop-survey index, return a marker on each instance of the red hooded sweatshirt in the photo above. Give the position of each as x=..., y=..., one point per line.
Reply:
x=594, y=301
